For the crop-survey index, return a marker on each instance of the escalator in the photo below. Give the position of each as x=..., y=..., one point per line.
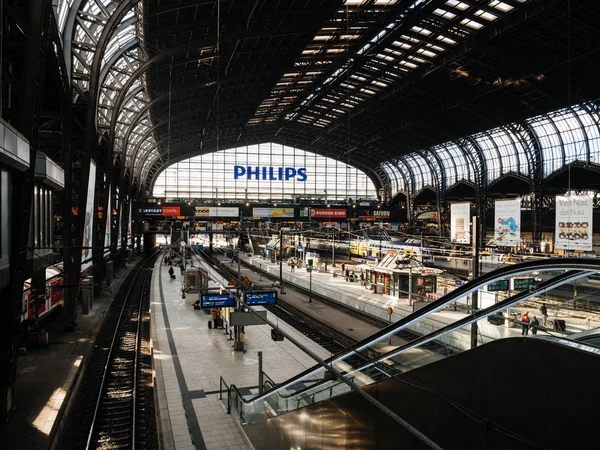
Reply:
x=382, y=363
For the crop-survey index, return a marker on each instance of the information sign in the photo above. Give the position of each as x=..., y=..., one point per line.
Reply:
x=426, y=271
x=261, y=298
x=217, y=301
x=500, y=285
x=246, y=281
x=524, y=284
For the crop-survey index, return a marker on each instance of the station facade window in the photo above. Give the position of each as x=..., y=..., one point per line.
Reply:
x=263, y=172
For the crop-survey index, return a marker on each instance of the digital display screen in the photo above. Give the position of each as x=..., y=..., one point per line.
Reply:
x=261, y=298
x=217, y=301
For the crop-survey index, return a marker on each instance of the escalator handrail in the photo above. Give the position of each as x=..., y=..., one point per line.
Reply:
x=591, y=265
x=467, y=320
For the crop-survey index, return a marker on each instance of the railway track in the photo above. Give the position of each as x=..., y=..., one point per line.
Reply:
x=115, y=403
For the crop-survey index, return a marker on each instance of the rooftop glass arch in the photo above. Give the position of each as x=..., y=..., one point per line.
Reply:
x=564, y=136
x=263, y=172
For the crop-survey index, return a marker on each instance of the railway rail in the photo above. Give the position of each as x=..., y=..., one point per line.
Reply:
x=114, y=406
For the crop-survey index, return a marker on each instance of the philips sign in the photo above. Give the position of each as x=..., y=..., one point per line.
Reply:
x=269, y=173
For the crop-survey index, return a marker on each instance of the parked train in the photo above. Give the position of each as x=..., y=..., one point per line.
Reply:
x=53, y=295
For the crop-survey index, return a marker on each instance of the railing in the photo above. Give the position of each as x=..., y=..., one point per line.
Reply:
x=386, y=354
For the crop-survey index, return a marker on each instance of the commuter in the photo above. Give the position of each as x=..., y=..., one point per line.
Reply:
x=181, y=270
x=347, y=275
x=325, y=267
x=171, y=273
x=534, y=324
x=352, y=276
x=362, y=278
x=292, y=266
x=525, y=325
x=343, y=267
x=544, y=312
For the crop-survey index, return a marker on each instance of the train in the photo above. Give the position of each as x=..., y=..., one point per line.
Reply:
x=53, y=296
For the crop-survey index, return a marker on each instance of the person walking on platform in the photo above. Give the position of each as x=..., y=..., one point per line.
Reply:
x=292, y=266
x=181, y=270
x=171, y=273
x=544, y=313
x=525, y=325
x=534, y=324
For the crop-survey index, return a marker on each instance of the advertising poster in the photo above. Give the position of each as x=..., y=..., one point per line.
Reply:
x=507, y=223
x=273, y=212
x=216, y=211
x=86, y=251
x=171, y=211
x=460, y=230
x=329, y=213
x=108, y=221
x=120, y=226
x=129, y=222
x=574, y=222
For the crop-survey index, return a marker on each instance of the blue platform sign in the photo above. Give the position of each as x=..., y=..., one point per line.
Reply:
x=459, y=282
x=217, y=301
x=197, y=247
x=261, y=298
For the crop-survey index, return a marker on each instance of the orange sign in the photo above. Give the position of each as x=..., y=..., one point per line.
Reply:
x=246, y=281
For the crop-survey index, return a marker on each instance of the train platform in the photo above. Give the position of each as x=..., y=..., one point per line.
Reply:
x=354, y=295
x=48, y=375
x=189, y=358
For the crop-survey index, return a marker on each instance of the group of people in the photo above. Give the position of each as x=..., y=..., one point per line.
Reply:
x=534, y=323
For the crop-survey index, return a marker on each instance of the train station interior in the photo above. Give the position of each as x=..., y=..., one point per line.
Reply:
x=301, y=224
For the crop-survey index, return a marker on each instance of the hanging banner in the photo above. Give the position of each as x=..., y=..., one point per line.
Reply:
x=86, y=251
x=574, y=222
x=273, y=212
x=460, y=231
x=507, y=230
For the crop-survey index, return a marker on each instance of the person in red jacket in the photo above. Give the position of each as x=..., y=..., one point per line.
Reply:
x=525, y=325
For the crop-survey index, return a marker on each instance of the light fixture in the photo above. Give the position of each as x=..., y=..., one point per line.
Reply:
x=354, y=205
x=189, y=203
x=247, y=203
x=158, y=203
x=219, y=203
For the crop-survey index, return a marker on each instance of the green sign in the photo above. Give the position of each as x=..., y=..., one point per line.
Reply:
x=524, y=284
x=500, y=285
